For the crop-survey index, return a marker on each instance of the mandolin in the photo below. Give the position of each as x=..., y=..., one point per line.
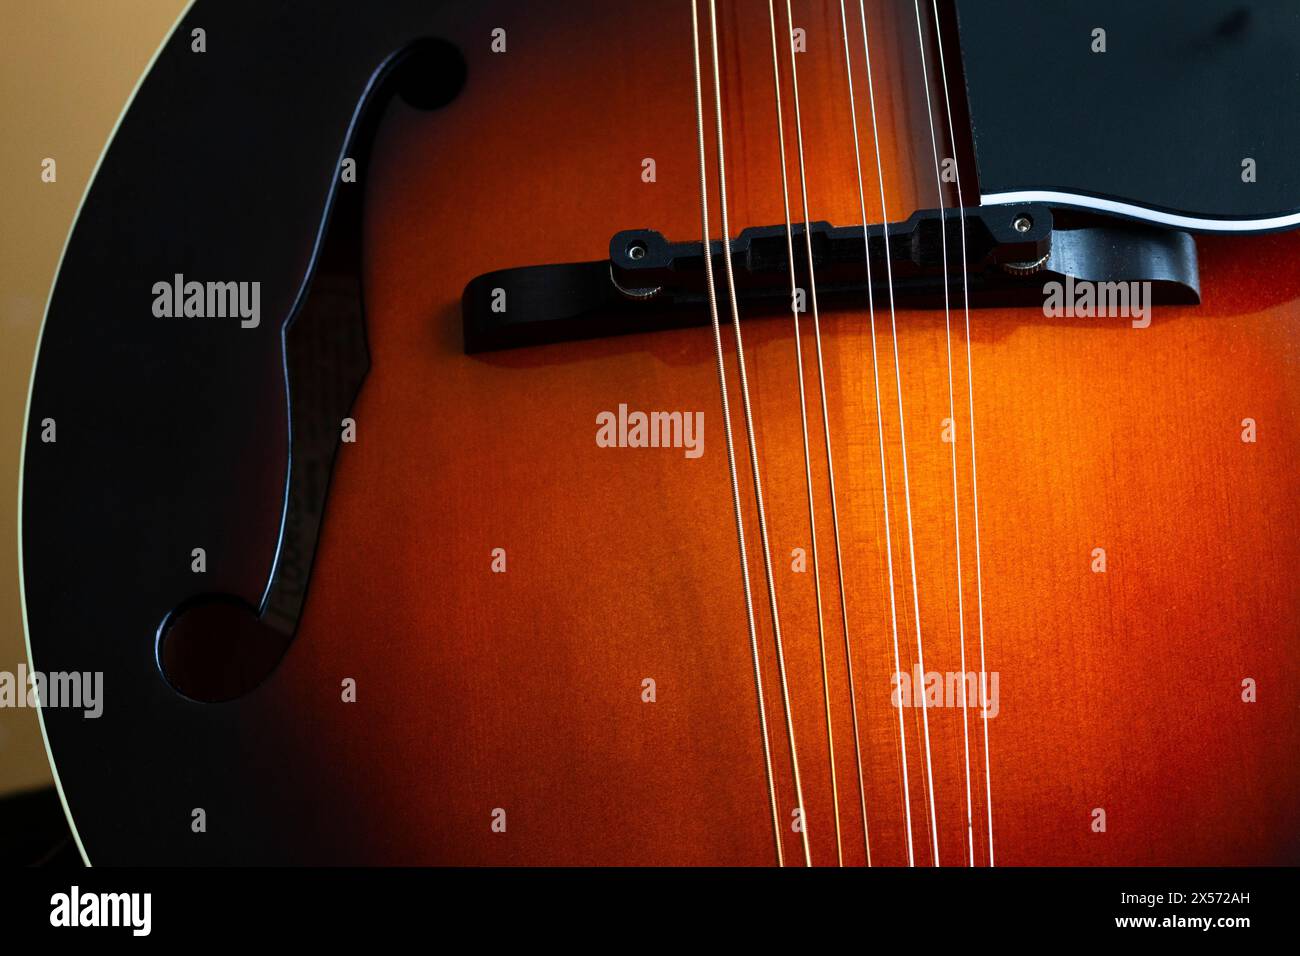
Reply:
x=683, y=432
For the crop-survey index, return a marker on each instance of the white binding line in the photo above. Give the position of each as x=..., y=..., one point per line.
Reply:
x=1140, y=212
x=31, y=381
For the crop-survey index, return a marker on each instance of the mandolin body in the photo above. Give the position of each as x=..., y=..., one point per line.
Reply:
x=545, y=625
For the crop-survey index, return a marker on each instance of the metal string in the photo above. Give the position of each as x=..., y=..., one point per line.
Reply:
x=880, y=432
x=826, y=436
x=731, y=452
x=749, y=429
x=952, y=419
x=902, y=437
x=807, y=455
x=974, y=484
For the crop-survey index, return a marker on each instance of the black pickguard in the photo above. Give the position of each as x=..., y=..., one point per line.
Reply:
x=1163, y=119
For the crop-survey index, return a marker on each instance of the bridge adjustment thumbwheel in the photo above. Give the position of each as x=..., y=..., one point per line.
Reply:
x=1023, y=223
x=1027, y=268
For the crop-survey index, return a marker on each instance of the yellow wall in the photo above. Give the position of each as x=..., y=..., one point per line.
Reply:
x=67, y=68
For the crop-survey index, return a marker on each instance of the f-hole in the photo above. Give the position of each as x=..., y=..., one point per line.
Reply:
x=218, y=647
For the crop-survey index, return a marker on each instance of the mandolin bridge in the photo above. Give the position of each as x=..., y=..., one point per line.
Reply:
x=650, y=284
